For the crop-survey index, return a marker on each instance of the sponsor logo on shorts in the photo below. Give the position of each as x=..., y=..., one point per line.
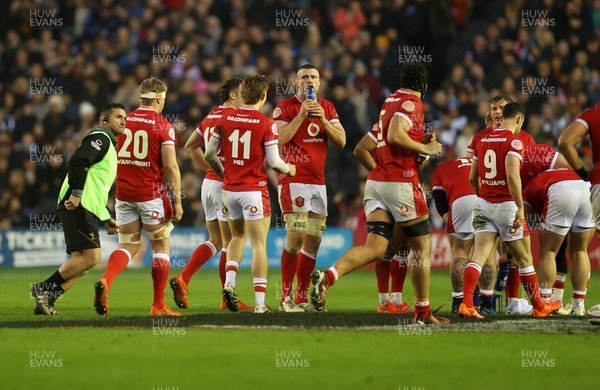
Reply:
x=404, y=209
x=253, y=209
x=299, y=201
x=154, y=214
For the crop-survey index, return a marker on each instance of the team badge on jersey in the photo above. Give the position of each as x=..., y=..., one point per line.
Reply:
x=274, y=129
x=518, y=145
x=299, y=201
x=172, y=133
x=408, y=106
x=277, y=112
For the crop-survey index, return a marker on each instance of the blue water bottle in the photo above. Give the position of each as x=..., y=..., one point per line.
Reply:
x=311, y=94
x=502, y=276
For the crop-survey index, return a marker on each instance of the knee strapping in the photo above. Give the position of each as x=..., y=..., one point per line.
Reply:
x=130, y=238
x=316, y=227
x=163, y=232
x=296, y=222
x=416, y=230
x=383, y=229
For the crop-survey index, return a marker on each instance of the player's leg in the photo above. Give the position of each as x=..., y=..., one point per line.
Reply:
x=129, y=242
x=382, y=273
x=461, y=251
x=577, y=244
x=521, y=250
x=257, y=231
x=82, y=240
x=399, y=250
x=294, y=204
x=550, y=243
x=161, y=264
x=380, y=227
x=307, y=257
x=558, y=288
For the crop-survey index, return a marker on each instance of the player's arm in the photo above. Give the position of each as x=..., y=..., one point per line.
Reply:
x=474, y=177
x=276, y=162
x=513, y=177
x=364, y=151
x=398, y=136
x=567, y=142
x=212, y=148
x=93, y=149
x=194, y=150
x=561, y=162
x=172, y=177
x=287, y=130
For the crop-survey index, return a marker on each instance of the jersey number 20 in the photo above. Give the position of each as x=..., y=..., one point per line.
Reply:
x=140, y=144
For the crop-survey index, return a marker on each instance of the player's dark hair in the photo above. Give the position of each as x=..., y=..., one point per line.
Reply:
x=108, y=108
x=253, y=87
x=500, y=98
x=308, y=66
x=512, y=110
x=414, y=76
x=228, y=86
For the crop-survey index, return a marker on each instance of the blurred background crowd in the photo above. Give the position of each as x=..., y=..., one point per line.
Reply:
x=60, y=61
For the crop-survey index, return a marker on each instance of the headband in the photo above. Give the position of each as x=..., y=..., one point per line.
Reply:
x=154, y=95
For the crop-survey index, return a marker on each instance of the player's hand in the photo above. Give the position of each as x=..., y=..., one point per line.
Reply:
x=72, y=203
x=292, y=171
x=433, y=148
x=519, y=217
x=316, y=111
x=111, y=227
x=429, y=137
x=177, y=212
x=304, y=108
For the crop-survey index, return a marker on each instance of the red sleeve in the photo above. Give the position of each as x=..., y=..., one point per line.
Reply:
x=166, y=134
x=281, y=113
x=270, y=135
x=585, y=118
x=217, y=131
x=515, y=148
x=406, y=109
x=331, y=113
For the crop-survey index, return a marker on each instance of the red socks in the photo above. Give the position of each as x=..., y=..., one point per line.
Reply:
x=382, y=271
x=160, y=274
x=471, y=276
x=288, y=270
x=222, y=261
x=512, y=283
x=398, y=271
x=117, y=262
x=530, y=284
x=306, y=265
x=200, y=256
x=422, y=309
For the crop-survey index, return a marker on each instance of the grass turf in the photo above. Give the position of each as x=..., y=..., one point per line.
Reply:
x=141, y=354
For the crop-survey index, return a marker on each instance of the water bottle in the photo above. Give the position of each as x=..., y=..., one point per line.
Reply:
x=502, y=276
x=311, y=95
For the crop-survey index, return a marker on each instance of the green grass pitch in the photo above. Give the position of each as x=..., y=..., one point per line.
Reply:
x=350, y=346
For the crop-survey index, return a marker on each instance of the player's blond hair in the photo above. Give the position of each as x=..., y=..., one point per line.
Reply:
x=151, y=84
x=253, y=87
x=500, y=98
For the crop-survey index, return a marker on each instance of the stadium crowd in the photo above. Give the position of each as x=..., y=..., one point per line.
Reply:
x=61, y=62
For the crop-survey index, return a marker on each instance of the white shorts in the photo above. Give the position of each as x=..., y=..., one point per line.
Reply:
x=460, y=221
x=303, y=198
x=212, y=200
x=498, y=218
x=249, y=205
x=595, y=200
x=568, y=207
x=151, y=212
x=405, y=201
